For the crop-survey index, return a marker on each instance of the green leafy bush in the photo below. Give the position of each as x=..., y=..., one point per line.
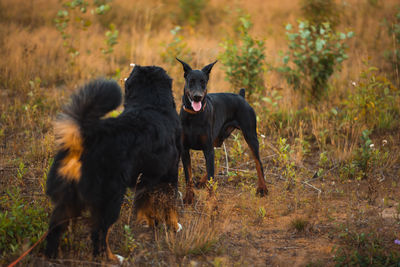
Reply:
x=191, y=11
x=358, y=248
x=21, y=223
x=318, y=12
x=365, y=160
x=177, y=48
x=243, y=60
x=374, y=101
x=75, y=16
x=314, y=54
x=111, y=39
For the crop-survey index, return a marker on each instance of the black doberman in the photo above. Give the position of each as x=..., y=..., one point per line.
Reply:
x=208, y=119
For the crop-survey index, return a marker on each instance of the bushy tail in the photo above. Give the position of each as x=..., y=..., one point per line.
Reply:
x=242, y=92
x=87, y=106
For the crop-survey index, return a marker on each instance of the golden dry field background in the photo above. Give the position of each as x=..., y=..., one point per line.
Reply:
x=332, y=165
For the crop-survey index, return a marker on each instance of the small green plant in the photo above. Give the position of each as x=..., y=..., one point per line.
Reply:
x=243, y=60
x=373, y=102
x=178, y=48
x=299, y=224
x=236, y=151
x=130, y=243
x=285, y=162
x=190, y=11
x=323, y=162
x=21, y=170
x=261, y=212
x=365, y=153
x=21, y=223
x=271, y=101
x=111, y=39
x=314, y=54
x=323, y=159
x=212, y=185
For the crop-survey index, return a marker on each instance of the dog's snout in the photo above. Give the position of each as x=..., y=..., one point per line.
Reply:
x=197, y=97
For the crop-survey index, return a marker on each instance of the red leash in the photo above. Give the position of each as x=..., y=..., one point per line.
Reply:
x=29, y=250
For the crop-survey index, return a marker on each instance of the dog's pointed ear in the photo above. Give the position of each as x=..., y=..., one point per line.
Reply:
x=186, y=67
x=207, y=69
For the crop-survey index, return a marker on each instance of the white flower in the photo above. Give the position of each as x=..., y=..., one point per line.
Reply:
x=371, y=145
x=132, y=65
x=125, y=79
x=384, y=142
x=263, y=136
x=354, y=84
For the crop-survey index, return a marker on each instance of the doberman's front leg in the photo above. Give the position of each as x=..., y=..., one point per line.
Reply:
x=209, y=156
x=189, y=196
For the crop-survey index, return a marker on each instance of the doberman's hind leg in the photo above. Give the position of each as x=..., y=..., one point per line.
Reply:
x=254, y=147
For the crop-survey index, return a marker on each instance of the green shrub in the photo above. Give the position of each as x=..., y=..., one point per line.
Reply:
x=364, y=249
x=74, y=16
x=314, y=54
x=175, y=49
x=374, y=102
x=111, y=39
x=318, y=12
x=365, y=159
x=21, y=223
x=243, y=60
x=190, y=11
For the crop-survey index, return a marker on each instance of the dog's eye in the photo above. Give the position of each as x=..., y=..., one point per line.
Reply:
x=203, y=83
x=191, y=83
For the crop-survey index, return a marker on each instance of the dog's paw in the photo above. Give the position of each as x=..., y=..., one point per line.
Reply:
x=261, y=192
x=189, y=197
x=119, y=258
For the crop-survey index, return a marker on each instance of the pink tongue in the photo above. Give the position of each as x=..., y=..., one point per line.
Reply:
x=196, y=106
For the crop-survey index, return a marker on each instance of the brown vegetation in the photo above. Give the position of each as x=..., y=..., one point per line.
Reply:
x=322, y=208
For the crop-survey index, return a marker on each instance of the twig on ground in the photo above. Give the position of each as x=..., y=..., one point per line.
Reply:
x=310, y=185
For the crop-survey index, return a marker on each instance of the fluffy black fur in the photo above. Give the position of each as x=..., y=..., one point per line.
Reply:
x=144, y=141
x=208, y=119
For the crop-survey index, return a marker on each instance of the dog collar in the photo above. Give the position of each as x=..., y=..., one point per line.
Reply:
x=192, y=111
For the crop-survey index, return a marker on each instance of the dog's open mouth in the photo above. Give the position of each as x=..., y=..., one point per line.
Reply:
x=196, y=105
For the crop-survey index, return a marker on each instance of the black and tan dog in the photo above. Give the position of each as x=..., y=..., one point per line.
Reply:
x=98, y=159
x=208, y=119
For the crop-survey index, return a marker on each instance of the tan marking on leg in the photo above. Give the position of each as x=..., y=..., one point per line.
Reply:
x=172, y=218
x=110, y=256
x=203, y=179
x=261, y=181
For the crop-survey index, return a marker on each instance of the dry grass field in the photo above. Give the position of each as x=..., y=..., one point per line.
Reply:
x=332, y=168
